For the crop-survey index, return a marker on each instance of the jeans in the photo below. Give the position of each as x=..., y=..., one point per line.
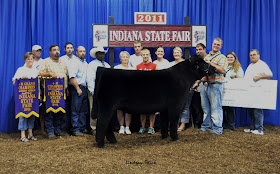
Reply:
x=26, y=123
x=52, y=123
x=65, y=120
x=229, y=117
x=185, y=115
x=211, y=102
x=79, y=110
x=256, y=116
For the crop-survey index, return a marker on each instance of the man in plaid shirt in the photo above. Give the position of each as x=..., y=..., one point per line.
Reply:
x=53, y=67
x=211, y=91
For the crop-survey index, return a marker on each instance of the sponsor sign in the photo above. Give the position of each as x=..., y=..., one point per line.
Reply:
x=26, y=97
x=249, y=94
x=150, y=18
x=100, y=35
x=198, y=35
x=151, y=36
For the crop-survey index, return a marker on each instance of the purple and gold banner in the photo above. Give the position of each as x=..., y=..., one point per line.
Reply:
x=26, y=97
x=54, y=95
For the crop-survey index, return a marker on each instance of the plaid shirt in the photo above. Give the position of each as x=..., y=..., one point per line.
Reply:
x=218, y=59
x=59, y=68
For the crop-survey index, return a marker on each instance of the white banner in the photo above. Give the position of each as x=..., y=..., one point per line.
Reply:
x=249, y=94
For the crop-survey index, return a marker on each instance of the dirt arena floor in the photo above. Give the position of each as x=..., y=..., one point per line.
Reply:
x=195, y=152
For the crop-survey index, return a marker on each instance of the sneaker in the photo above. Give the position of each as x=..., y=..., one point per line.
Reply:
x=257, y=132
x=51, y=137
x=127, y=131
x=121, y=131
x=151, y=130
x=79, y=134
x=248, y=130
x=93, y=132
x=62, y=134
x=142, y=130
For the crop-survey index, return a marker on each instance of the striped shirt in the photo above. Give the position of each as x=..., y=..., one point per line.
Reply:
x=217, y=59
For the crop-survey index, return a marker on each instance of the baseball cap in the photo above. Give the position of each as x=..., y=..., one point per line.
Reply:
x=36, y=47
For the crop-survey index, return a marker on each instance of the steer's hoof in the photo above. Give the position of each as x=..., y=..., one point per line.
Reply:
x=174, y=139
x=113, y=142
x=100, y=145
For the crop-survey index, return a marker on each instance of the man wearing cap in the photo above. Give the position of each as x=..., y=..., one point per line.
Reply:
x=36, y=50
x=79, y=102
x=99, y=54
x=67, y=58
x=53, y=67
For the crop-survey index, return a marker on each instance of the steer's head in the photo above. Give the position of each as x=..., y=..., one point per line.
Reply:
x=203, y=68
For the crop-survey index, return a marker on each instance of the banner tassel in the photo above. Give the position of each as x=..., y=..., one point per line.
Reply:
x=39, y=96
x=45, y=91
x=64, y=88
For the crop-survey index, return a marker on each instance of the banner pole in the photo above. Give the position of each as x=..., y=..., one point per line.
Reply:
x=111, y=50
x=187, y=50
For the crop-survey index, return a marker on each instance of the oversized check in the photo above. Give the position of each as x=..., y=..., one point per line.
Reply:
x=249, y=94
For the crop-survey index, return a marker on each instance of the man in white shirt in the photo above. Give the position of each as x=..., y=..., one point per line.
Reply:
x=256, y=71
x=136, y=58
x=69, y=48
x=99, y=54
x=37, y=50
x=67, y=58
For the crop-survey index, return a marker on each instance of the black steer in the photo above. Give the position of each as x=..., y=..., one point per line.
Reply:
x=145, y=92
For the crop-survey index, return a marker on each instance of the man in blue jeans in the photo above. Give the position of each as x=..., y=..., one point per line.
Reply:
x=53, y=67
x=256, y=71
x=211, y=90
x=79, y=101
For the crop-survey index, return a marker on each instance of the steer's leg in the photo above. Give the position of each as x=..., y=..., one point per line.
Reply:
x=101, y=128
x=173, y=118
x=164, y=124
x=110, y=134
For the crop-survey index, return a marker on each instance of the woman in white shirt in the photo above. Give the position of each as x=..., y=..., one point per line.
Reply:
x=234, y=70
x=124, y=57
x=24, y=72
x=161, y=62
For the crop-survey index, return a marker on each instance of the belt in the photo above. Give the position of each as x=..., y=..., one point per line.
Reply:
x=81, y=86
x=207, y=83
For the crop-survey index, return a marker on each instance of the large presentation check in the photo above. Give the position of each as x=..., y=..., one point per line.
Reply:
x=249, y=94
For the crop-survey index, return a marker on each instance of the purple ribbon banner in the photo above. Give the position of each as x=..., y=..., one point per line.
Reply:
x=54, y=95
x=26, y=97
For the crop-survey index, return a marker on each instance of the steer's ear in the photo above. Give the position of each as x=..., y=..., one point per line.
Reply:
x=196, y=58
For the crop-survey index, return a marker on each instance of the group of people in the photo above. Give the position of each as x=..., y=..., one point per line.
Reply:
x=204, y=101
x=215, y=116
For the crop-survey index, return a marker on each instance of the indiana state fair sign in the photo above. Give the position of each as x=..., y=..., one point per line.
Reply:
x=150, y=35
